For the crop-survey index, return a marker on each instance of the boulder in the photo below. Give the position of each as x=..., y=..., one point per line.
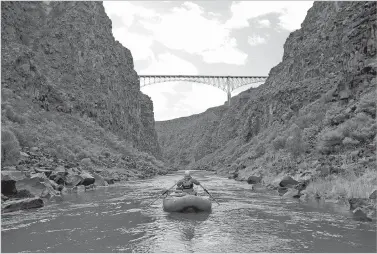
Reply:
x=45, y=171
x=12, y=175
x=35, y=185
x=254, y=179
x=287, y=180
x=292, y=193
x=304, y=197
x=357, y=202
x=21, y=204
x=49, y=190
x=302, y=185
x=359, y=214
x=8, y=181
x=53, y=184
x=373, y=195
x=34, y=149
x=3, y=197
x=60, y=169
x=88, y=179
x=22, y=194
x=109, y=180
x=282, y=190
x=73, y=180
x=99, y=180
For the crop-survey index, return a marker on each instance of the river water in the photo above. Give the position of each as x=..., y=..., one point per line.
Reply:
x=118, y=219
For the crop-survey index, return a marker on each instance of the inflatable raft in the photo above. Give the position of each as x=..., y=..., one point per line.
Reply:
x=187, y=203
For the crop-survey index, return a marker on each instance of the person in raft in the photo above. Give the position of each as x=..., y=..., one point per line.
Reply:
x=187, y=183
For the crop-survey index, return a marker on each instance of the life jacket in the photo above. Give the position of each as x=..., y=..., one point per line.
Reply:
x=187, y=183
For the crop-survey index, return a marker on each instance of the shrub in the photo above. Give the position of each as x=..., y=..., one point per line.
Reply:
x=83, y=154
x=64, y=153
x=6, y=94
x=106, y=153
x=309, y=119
x=86, y=162
x=333, y=137
x=279, y=143
x=335, y=116
x=11, y=115
x=350, y=142
x=294, y=143
x=348, y=186
x=25, y=138
x=329, y=95
x=362, y=127
x=367, y=105
x=364, y=134
x=329, y=140
x=259, y=150
x=10, y=148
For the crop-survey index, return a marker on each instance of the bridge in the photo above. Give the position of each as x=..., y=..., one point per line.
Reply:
x=225, y=83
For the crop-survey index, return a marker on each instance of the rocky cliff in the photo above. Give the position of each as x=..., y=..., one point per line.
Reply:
x=68, y=87
x=316, y=111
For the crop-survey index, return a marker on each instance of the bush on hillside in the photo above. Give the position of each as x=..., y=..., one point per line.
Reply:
x=309, y=136
x=328, y=140
x=279, y=143
x=329, y=95
x=10, y=148
x=83, y=154
x=367, y=105
x=25, y=137
x=294, y=143
x=350, y=142
x=361, y=127
x=86, y=163
x=14, y=117
x=259, y=150
x=309, y=119
x=64, y=153
x=334, y=116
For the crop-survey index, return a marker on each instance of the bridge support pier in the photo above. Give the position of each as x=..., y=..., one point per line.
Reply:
x=229, y=93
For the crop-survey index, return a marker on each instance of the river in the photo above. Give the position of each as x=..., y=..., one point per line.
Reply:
x=118, y=219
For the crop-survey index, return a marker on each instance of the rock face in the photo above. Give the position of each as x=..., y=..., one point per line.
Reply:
x=187, y=140
x=321, y=93
x=63, y=57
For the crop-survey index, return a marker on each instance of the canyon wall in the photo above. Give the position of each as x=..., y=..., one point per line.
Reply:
x=317, y=105
x=64, y=54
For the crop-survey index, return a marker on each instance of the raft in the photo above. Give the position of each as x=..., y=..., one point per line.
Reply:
x=187, y=203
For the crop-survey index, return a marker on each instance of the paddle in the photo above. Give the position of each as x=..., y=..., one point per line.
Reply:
x=162, y=194
x=209, y=194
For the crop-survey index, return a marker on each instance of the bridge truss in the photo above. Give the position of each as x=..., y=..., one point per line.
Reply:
x=225, y=83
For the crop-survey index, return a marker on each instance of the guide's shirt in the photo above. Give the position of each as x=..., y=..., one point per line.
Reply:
x=187, y=183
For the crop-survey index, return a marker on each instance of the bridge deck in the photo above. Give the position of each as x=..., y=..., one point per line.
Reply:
x=225, y=83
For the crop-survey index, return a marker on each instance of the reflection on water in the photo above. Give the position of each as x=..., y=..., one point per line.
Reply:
x=118, y=219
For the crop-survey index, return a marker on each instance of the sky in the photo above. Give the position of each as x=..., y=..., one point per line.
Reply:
x=225, y=38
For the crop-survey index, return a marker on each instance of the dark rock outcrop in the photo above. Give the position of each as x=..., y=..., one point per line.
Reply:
x=360, y=214
x=254, y=179
x=288, y=181
x=373, y=195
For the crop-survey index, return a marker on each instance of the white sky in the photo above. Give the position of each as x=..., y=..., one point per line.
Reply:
x=202, y=38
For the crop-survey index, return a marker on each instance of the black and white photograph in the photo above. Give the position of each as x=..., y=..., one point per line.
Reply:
x=203, y=126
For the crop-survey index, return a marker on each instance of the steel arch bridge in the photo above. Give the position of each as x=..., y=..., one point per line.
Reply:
x=225, y=83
